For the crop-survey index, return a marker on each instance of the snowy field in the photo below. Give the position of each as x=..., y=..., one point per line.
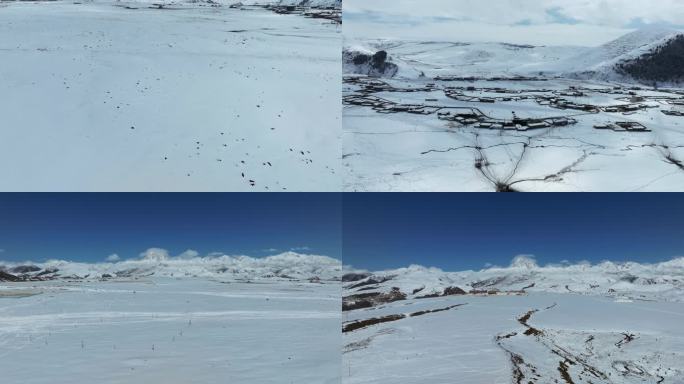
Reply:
x=169, y=330
x=124, y=96
x=604, y=323
x=578, y=339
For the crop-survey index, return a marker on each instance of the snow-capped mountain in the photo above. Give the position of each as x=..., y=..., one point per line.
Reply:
x=605, y=62
x=431, y=59
x=664, y=281
x=157, y=262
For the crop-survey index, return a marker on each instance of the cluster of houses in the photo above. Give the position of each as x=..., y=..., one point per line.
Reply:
x=567, y=104
x=624, y=126
x=371, y=85
x=572, y=92
x=474, y=117
x=329, y=13
x=626, y=108
x=479, y=120
x=496, y=78
x=557, y=100
x=381, y=105
x=496, y=291
x=334, y=15
x=366, y=101
x=457, y=94
x=560, y=103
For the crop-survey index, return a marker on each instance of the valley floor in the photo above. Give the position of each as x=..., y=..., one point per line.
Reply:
x=169, y=331
x=536, y=338
x=123, y=96
x=406, y=135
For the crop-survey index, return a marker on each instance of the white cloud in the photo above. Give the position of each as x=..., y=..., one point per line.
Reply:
x=188, y=254
x=541, y=22
x=524, y=261
x=270, y=250
x=615, y=13
x=303, y=248
x=155, y=254
x=113, y=257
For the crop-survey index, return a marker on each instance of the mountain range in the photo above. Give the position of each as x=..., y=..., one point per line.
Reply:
x=156, y=262
x=646, y=55
x=623, y=281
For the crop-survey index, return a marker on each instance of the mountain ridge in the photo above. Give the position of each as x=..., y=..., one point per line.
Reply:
x=157, y=262
x=602, y=63
x=632, y=280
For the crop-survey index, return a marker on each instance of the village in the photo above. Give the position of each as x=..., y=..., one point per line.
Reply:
x=471, y=100
x=334, y=14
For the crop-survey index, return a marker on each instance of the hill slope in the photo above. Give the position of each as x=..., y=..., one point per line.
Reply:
x=644, y=55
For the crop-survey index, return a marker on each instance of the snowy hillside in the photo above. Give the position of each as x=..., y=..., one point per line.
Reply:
x=501, y=59
x=463, y=59
x=157, y=262
x=601, y=62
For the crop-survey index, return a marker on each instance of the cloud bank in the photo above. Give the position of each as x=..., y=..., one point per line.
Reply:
x=542, y=22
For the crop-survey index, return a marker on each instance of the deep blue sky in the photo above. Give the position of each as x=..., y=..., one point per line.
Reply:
x=466, y=231
x=91, y=226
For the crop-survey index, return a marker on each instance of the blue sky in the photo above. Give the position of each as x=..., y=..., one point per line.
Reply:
x=540, y=22
x=467, y=231
x=92, y=226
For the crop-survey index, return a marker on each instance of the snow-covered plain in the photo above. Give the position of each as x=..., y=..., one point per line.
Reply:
x=246, y=327
x=194, y=96
x=607, y=323
x=416, y=150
